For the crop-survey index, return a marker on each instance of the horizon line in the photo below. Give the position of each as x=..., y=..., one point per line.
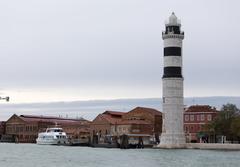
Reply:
x=113, y=99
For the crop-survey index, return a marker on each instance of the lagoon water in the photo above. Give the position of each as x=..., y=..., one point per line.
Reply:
x=32, y=155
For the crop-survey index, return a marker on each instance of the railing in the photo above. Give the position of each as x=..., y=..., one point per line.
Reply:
x=171, y=35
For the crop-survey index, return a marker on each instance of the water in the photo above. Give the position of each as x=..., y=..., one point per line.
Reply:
x=31, y=155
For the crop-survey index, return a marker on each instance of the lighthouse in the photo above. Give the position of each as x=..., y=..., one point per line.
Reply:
x=172, y=86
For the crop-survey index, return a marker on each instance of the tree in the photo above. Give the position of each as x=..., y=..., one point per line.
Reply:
x=227, y=122
x=235, y=128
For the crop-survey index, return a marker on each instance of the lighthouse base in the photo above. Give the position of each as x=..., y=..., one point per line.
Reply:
x=172, y=141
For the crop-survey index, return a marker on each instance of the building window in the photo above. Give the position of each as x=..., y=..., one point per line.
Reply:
x=191, y=128
x=186, y=117
x=202, y=117
x=198, y=117
x=209, y=117
x=35, y=128
x=191, y=117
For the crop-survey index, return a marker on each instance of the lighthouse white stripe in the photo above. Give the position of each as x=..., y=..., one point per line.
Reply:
x=173, y=61
x=173, y=42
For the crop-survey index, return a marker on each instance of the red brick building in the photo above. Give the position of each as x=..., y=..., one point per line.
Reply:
x=105, y=124
x=25, y=128
x=145, y=121
x=195, y=118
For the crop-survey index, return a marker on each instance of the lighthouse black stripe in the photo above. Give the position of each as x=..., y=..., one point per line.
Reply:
x=175, y=72
x=172, y=51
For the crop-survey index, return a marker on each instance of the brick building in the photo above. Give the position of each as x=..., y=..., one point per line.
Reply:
x=195, y=118
x=25, y=128
x=148, y=120
x=141, y=121
x=105, y=124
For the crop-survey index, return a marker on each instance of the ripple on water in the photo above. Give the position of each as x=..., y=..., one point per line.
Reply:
x=31, y=155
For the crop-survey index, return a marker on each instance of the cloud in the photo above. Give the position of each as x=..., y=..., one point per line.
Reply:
x=87, y=44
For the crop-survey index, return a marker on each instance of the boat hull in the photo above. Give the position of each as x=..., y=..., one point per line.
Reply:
x=52, y=142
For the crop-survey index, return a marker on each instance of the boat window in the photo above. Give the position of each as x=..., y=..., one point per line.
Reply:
x=58, y=130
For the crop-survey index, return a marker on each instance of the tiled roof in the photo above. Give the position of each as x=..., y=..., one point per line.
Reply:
x=50, y=117
x=115, y=117
x=115, y=113
x=130, y=122
x=145, y=109
x=200, y=108
x=57, y=120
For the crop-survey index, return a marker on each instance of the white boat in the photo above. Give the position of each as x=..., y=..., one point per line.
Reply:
x=52, y=136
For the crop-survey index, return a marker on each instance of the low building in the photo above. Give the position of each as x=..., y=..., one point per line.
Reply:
x=195, y=119
x=25, y=128
x=148, y=121
x=140, y=121
x=104, y=125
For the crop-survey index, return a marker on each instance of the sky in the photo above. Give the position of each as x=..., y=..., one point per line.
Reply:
x=66, y=50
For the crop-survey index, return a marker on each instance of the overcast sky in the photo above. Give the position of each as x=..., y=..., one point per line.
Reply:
x=54, y=50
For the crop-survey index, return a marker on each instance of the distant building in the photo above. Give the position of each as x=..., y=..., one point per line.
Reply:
x=25, y=128
x=139, y=121
x=195, y=118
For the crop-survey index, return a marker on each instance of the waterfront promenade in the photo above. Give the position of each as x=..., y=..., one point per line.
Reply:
x=203, y=146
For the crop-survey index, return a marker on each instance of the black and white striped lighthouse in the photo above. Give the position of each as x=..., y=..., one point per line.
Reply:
x=172, y=81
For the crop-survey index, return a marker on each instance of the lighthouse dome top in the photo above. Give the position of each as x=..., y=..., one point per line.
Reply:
x=173, y=20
